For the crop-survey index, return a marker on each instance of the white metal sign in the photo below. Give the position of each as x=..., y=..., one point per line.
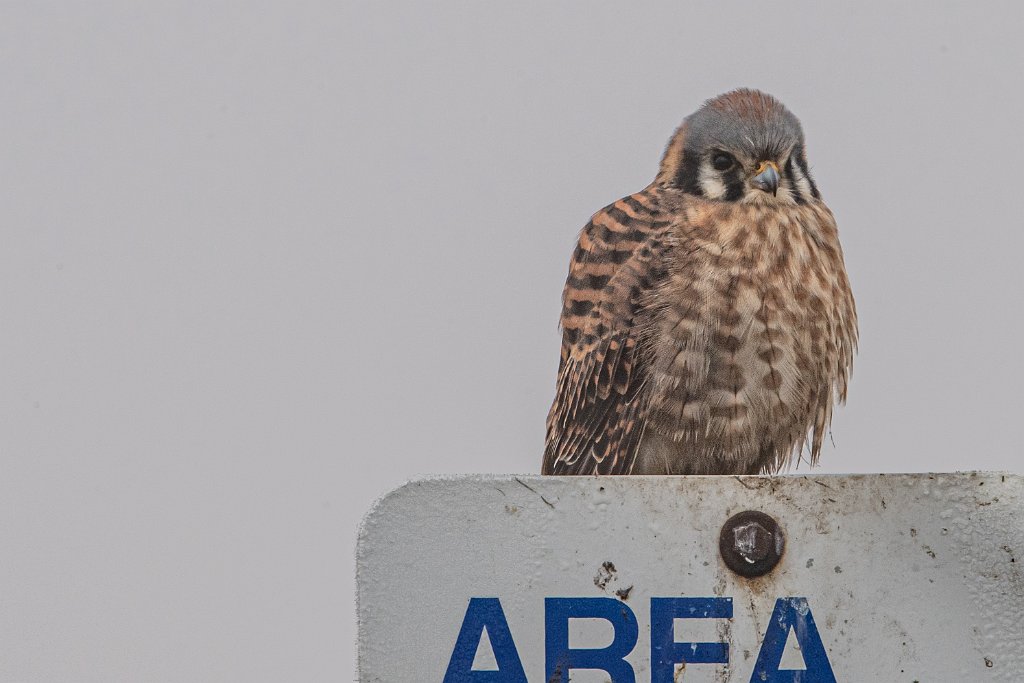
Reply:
x=887, y=578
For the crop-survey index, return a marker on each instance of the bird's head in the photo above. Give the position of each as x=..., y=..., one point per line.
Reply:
x=743, y=146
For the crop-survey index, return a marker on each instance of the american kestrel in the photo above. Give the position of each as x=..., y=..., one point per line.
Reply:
x=708, y=325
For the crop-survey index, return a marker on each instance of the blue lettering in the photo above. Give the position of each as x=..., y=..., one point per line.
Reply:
x=795, y=614
x=560, y=659
x=666, y=653
x=485, y=613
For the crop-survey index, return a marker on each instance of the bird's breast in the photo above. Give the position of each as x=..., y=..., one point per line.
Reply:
x=743, y=324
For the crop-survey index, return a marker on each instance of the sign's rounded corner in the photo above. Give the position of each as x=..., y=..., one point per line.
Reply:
x=379, y=506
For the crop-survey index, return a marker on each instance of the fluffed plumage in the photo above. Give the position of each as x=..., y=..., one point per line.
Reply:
x=708, y=324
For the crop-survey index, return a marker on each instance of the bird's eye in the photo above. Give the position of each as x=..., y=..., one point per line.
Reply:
x=722, y=161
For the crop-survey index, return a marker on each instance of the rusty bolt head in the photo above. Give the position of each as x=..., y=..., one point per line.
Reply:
x=751, y=543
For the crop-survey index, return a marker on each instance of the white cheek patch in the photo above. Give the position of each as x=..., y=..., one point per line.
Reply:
x=803, y=186
x=710, y=183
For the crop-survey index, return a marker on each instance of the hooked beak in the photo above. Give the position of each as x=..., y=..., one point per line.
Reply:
x=767, y=177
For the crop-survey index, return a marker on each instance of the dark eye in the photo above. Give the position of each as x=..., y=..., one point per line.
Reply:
x=722, y=161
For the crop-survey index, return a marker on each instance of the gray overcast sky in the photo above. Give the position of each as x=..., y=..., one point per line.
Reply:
x=263, y=261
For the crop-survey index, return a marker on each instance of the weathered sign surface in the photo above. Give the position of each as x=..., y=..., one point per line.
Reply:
x=887, y=578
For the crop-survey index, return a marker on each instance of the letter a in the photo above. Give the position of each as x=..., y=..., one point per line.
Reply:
x=792, y=614
x=485, y=613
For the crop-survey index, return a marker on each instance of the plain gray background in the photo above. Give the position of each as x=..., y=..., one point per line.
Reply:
x=262, y=262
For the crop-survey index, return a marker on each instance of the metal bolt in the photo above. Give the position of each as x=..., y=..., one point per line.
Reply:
x=751, y=543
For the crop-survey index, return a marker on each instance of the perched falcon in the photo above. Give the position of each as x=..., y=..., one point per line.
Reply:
x=707, y=324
